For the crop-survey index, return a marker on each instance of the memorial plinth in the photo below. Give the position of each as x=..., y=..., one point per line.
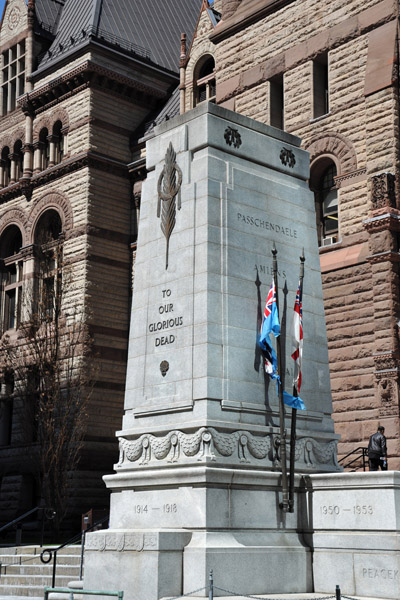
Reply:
x=197, y=486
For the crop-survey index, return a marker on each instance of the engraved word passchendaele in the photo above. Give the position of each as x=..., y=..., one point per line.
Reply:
x=168, y=188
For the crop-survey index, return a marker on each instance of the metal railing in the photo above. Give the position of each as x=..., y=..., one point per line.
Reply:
x=51, y=553
x=47, y=514
x=358, y=454
x=212, y=586
x=71, y=592
x=96, y=33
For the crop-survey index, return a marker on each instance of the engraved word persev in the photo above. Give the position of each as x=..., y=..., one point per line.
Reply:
x=381, y=573
x=168, y=323
x=261, y=224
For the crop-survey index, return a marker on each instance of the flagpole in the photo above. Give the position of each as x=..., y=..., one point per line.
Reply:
x=285, y=497
x=294, y=410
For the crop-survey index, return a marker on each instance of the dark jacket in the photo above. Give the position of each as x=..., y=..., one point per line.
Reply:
x=377, y=445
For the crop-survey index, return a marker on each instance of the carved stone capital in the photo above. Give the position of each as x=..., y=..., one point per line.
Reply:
x=383, y=190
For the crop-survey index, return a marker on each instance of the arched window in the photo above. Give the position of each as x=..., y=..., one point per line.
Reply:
x=57, y=140
x=323, y=185
x=6, y=407
x=11, y=277
x=5, y=167
x=17, y=161
x=204, y=80
x=49, y=265
x=44, y=146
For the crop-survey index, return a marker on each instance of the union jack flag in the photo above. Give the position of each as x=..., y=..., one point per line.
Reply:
x=297, y=338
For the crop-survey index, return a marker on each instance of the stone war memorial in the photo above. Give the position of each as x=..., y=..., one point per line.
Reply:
x=198, y=485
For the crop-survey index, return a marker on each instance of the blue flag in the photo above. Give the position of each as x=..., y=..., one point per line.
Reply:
x=270, y=325
x=271, y=318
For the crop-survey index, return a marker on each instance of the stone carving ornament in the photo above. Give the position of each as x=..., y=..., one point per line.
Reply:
x=232, y=137
x=168, y=188
x=287, y=158
x=383, y=190
x=209, y=443
x=14, y=18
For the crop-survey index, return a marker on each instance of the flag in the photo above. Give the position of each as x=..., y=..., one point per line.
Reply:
x=271, y=317
x=270, y=325
x=297, y=338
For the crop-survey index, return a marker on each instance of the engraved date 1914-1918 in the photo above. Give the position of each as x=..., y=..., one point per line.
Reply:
x=356, y=509
x=143, y=509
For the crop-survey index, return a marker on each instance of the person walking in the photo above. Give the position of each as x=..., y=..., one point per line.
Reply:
x=377, y=451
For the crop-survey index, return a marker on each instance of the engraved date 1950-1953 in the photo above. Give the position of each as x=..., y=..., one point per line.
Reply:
x=356, y=509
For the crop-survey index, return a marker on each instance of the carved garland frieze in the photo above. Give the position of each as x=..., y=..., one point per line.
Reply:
x=208, y=443
x=137, y=542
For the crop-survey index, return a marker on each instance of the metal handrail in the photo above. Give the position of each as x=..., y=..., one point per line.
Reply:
x=362, y=453
x=53, y=551
x=71, y=592
x=47, y=512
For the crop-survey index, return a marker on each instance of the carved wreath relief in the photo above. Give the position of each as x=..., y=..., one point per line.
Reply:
x=168, y=187
x=287, y=158
x=232, y=137
x=209, y=443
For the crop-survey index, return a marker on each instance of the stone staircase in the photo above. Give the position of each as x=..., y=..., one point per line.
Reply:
x=24, y=574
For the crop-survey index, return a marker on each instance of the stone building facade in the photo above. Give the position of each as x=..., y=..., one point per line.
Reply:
x=329, y=74
x=78, y=78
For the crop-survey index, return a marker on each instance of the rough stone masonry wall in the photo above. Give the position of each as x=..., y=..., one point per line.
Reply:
x=359, y=133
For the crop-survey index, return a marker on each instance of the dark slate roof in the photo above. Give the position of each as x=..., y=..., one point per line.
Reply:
x=168, y=111
x=48, y=13
x=148, y=28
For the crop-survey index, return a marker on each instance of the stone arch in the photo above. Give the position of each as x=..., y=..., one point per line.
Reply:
x=338, y=147
x=57, y=202
x=60, y=114
x=44, y=122
x=10, y=139
x=205, y=48
x=16, y=217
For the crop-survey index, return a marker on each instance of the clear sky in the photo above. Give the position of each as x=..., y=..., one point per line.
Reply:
x=2, y=3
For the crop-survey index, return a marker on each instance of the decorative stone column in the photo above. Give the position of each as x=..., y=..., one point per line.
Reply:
x=52, y=139
x=383, y=226
x=14, y=167
x=37, y=157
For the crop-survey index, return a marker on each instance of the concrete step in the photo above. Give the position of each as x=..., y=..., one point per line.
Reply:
x=33, y=550
x=23, y=559
x=23, y=573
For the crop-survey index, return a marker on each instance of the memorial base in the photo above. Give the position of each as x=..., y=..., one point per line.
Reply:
x=344, y=531
x=227, y=520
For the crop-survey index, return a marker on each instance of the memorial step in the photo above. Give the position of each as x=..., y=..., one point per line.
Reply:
x=24, y=575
